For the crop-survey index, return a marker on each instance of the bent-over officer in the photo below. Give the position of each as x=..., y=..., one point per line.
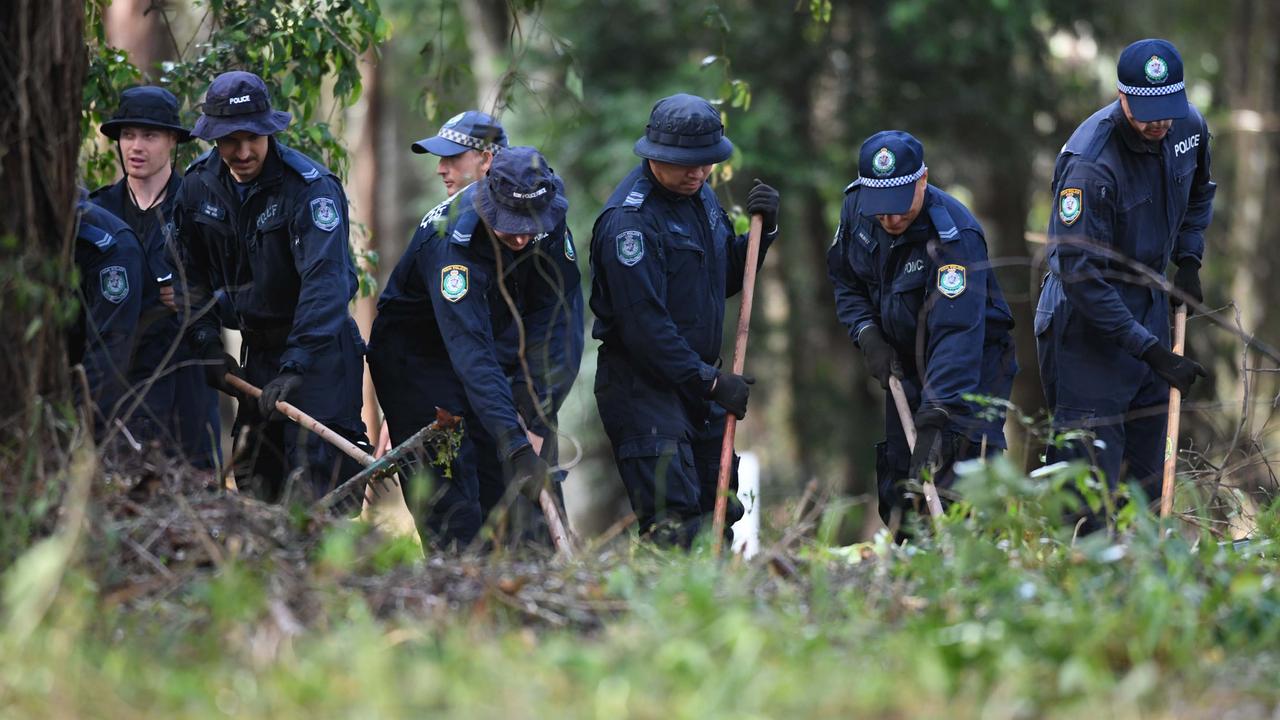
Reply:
x=494, y=255
x=915, y=289
x=1132, y=192
x=663, y=259
x=267, y=227
x=180, y=411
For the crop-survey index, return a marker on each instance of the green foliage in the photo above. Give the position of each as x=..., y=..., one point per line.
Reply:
x=1001, y=614
x=308, y=52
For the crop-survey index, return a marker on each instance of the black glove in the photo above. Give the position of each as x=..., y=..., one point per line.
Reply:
x=882, y=360
x=1187, y=279
x=731, y=392
x=1177, y=370
x=277, y=390
x=217, y=363
x=763, y=200
x=529, y=473
x=933, y=448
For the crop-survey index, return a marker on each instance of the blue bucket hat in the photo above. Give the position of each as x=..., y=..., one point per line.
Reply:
x=521, y=195
x=146, y=106
x=470, y=130
x=236, y=101
x=889, y=164
x=1149, y=73
x=684, y=130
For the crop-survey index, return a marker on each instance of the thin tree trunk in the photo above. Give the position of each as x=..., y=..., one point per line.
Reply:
x=364, y=122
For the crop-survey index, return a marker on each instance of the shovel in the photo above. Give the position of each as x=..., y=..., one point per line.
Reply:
x=909, y=429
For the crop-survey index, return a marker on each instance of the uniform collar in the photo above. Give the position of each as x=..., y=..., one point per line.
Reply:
x=1130, y=137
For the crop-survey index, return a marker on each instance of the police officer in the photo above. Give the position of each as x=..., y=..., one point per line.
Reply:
x=914, y=288
x=180, y=411
x=267, y=227
x=465, y=144
x=496, y=245
x=663, y=260
x=110, y=260
x=1132, y=191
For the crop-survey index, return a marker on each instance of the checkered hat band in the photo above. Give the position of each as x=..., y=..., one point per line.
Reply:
x=1151, y=91
x=881, y=183
x=474, y=143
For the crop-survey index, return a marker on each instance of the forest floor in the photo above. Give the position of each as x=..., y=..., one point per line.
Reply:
x=162, y=598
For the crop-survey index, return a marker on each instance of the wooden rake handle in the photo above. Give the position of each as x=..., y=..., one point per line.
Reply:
x=739, y=364
x=1175, y=417
x=931, y=498
x=306, y=421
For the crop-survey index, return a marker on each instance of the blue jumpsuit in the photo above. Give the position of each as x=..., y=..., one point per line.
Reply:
x=662, y=265
x=1121, y=203
x=110, y=260
x=445, y=337
x=277, y=250
x=180, y=410
x=933, y=295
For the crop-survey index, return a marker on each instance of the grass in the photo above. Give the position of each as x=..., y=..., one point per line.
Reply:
x=1001, y=615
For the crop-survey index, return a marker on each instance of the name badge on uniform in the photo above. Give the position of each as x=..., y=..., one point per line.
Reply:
x=1070, y=205
x=212, y=210
x=455, y=281
x=951, y=280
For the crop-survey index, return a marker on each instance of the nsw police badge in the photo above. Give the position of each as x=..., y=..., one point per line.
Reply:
x=630, y=247
x=1156, y=69
x=1070, y=205
x=884, y=162
x=324, y=213
x=455, y=281
x=570, y=253
x=951, y=280
x=114, y=282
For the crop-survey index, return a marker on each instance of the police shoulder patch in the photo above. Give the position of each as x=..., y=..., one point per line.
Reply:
x=114, y=282
x=951, y=280
x=455, y=281
x=630, y=247
x=1070, y=205
x=324, y=213
x=570, y=253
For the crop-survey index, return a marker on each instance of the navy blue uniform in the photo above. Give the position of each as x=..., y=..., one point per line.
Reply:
x=110, y=260
x=277, y=249
x=445, y=337
x=662, y=265
x=179, y=410
x=1122, y=203
x=932, y=294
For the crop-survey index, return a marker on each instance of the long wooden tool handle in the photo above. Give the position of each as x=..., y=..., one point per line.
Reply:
x=559, y=536
x=739, y=364
x=1175, y=415
x=908, y=423
x=308, y=422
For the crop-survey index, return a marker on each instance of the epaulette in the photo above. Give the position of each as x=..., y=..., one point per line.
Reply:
x=857, y=183
x=309, y=169
x=102, y=239
x=635, y=198
x=1091, y=137
x=943, y=222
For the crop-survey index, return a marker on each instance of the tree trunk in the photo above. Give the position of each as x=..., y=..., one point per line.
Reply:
x=488, y=25
x=364, y=122
x=42, y=49
x=142, y=34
